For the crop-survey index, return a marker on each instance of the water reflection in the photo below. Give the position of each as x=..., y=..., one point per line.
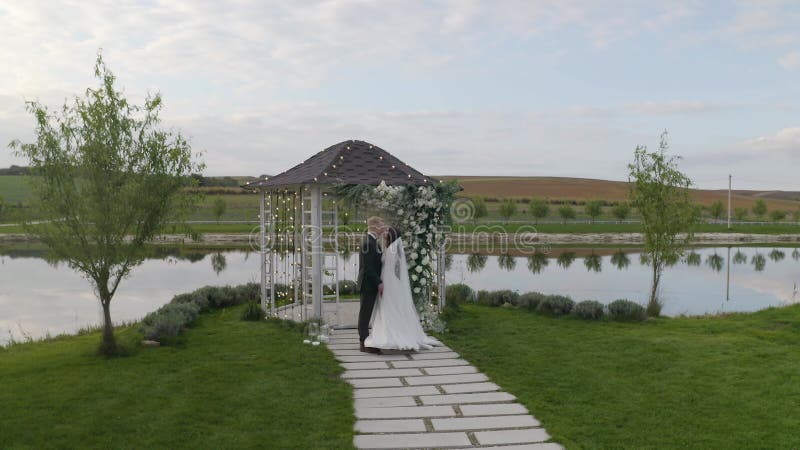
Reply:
x=506, y=262
x=716, y=262
x=537, y=262
x=593, y=262
x=565, y=259
x=740, y=257
x=693, y=258
x=218, y=263
x=620, y=260
x=776, y=255
x=476, y=262
x=759, y=262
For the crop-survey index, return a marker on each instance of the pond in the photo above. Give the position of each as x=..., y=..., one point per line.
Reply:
x=39, y=296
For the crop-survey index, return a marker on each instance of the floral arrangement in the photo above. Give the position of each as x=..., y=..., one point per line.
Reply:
x=422, y=213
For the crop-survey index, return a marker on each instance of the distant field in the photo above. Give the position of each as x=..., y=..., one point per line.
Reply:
x=581, y=189
x=13, y=188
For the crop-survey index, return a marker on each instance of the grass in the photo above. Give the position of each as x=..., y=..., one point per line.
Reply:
x=709, y=382
x=228, y=384
x=14, y=188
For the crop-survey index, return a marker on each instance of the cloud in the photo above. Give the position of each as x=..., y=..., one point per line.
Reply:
x=790, y=60
x=784, y=141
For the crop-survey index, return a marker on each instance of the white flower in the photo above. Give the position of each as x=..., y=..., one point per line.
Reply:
x=416, y=290
x=414, y=277
x=422, y=280
x=418, y=269
x=424, y=251
x=414, y=255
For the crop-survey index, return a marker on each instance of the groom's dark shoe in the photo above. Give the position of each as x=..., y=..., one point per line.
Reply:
x=370, y=349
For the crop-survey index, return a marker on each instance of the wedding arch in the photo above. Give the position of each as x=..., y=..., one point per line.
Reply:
x=301, y=236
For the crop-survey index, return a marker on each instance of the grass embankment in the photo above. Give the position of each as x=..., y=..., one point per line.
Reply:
x=709, y=382
x=228, y=384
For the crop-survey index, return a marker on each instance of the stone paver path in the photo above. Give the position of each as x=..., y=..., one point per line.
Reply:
x=431, y=399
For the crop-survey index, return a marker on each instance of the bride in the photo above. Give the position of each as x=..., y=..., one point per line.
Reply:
x=395, y=323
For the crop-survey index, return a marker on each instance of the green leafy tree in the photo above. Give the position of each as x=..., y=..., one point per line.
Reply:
x=2, y=208
x=108, y=181
x=594, y=208
x=660, y=192
x=716, y=209
x=777, y=215
x=621, y=210
x=760, y=208
x=219, y=207
x=566, y=259
x=479, y=207
x=795, y=215
x=740, y=213
x=566, y=212
x=508, y=208
x=539, y=209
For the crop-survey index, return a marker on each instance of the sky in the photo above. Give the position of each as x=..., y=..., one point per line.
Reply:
x=451, y=87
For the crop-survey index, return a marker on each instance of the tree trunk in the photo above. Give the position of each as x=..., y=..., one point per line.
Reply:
x=653, y=307
x=109, y=345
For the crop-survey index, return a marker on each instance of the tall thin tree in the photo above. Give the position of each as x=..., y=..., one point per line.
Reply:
x=108, y=180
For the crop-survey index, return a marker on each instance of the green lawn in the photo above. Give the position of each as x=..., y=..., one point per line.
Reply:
x=230, y=384
x=715, y=382
x=13, y=188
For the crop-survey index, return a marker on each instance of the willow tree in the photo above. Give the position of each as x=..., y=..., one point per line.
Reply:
x=660, y=192
x=108, y=180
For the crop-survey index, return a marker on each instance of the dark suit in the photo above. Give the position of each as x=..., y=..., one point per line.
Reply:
x=369, y=277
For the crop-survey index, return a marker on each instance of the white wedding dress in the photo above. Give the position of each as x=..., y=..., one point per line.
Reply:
x=395, y=323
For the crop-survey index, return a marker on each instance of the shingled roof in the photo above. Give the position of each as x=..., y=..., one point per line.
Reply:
x=348, y=162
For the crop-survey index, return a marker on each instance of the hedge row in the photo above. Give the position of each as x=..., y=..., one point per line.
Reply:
x=551, y=305
x=172, y=318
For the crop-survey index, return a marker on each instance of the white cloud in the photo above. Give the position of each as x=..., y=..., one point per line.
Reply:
x=785, y=141
x=790, y=60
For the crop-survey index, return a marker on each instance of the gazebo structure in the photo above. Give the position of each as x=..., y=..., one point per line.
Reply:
x=300, y=234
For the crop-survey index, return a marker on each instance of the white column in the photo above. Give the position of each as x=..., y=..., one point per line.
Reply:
x=316, y=252
x=263, y=248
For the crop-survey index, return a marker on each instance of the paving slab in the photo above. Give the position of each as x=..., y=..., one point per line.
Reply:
x=343, y=347
x=405, y=412
x=455, y=370
x=365, y=365
x=385, y=402
x=390, y=426
x=496, y=409
x=526, y=436
x=461, y=399
x=469, y=387
x=381, y=373
x=366, y=357
x=438, y=355
x=395, y=391
x=375, y=382
x=417, y=440
x=537, y=446
x=431, y=363
x=347, y=352
x=483, y=423
x=447, y=379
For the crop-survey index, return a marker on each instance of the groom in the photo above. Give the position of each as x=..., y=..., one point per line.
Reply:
x=369, y=278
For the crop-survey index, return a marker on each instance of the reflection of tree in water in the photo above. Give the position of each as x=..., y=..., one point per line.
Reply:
x=671, y=260
x=506, y=262
x=448, y=261
x=693, y=258
x=644, y=259
x=218, y=262
x=593, y=262
x=716, y=262
x=537, y=262
x=476, y=262
x=796, y=254
x=620, y=260
x=759, y=262
x=740, y=257
x=565, y=259
x=777, y=255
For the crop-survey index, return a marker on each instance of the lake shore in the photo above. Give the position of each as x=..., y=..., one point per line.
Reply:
x=468, y=239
